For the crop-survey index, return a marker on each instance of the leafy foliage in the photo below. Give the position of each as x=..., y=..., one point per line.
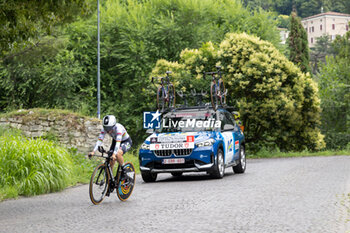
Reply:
x=22, y=21
x=279, y=104
x=298, y=44
x=334, y=83
x=304, y=8
x=61, y=73
x=322, y=49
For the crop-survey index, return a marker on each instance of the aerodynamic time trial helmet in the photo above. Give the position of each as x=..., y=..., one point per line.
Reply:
x=109, y=122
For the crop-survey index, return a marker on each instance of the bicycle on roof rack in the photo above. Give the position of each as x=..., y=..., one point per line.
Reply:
x=165, y=93
x=217, y=88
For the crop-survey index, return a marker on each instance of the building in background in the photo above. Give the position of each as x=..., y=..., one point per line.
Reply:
x=329, y=23
x=284, y=33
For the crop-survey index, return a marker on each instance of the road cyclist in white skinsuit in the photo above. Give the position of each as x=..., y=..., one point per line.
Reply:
x=121, y=141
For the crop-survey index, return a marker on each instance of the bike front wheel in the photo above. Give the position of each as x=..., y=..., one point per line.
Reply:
x=222, y=92
x=172, y=96
x=126, y=185
x=99, y=184
x=213, y=96
x=160, y=99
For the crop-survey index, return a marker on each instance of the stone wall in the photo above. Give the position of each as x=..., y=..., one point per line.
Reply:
x=68, y=129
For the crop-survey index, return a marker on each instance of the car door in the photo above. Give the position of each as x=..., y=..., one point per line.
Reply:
x=237, y=135
x=228, y=137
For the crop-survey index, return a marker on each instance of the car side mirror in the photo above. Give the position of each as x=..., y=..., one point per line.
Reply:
x=150, y=131
x=228, y=127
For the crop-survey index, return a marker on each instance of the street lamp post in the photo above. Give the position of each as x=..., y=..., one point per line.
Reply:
x=98, y=62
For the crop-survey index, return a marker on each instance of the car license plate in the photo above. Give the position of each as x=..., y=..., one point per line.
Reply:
x=173, y=161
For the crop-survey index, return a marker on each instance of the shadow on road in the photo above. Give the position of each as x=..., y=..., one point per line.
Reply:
x=189, y=177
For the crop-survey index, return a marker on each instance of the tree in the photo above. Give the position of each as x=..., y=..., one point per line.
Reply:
x=279, y=104
x=134, y=35
x=323, y=48
x=22, y=21
x=298, y=44
x=334, y=83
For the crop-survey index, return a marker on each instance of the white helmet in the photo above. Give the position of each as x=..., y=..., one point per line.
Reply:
x=109, y=122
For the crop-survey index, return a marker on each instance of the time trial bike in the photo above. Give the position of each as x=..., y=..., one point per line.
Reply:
x=103, y=183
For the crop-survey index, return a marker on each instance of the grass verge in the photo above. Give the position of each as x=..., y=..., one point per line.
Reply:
x=31, y=167
x=277, y=154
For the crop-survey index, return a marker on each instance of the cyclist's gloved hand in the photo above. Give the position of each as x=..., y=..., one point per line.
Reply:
x=90, y=155
x=110, y=153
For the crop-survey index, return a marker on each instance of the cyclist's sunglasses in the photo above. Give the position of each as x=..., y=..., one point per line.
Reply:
x=108, y=128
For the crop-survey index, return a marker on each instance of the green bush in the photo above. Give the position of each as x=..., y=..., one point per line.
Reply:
x=36, y=166
x=279, y=104
x=134, y=35
x=33, y=166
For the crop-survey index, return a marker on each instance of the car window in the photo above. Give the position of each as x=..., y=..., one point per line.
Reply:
x=225, y=119
x=230, y=116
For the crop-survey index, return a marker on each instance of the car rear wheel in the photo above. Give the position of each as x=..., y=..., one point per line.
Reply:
x=240, y=167
x=149, y=177
x=219, y=170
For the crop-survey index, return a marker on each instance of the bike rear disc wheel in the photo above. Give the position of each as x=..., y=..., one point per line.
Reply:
x=99, y=184
x=126, y=186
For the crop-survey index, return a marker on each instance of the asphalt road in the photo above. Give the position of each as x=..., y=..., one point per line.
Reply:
x=274, y=195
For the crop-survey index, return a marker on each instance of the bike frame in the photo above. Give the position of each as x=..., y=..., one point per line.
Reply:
x=109, y=170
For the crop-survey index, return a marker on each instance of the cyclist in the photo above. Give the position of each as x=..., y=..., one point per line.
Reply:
x=121, y=140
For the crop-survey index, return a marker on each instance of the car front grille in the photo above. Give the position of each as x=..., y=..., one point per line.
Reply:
x=163, y=152
x=176, y=152
x=182, y=152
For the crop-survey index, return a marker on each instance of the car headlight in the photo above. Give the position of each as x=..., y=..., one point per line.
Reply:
x=145, y=146
x=208, y=142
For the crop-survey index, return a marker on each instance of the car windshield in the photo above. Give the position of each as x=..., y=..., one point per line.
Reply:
x=189, y=122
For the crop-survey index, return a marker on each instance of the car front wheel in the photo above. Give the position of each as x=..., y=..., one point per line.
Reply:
x=219, y=170
x=240, y=167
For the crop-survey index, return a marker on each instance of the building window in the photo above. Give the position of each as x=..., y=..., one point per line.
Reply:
x=321, y=27
x=313, y=29
x=347, y=27
x=320, y=20
x=312, y=40
x=333, y=26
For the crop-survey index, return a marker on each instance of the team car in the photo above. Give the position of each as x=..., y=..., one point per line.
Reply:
x=193, y=139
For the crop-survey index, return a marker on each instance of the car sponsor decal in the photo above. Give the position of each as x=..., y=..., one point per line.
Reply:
x=190, y=139
x=236, y=145
x=172, y=139
x=154, y=140
x=228, y=146
x=170, y=146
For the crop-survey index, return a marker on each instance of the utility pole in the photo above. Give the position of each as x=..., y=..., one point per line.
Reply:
x=98, y=62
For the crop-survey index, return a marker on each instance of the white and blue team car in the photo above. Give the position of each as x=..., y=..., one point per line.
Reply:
x=193, y=139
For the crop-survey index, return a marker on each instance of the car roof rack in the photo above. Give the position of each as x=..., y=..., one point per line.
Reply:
x=201, y=107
